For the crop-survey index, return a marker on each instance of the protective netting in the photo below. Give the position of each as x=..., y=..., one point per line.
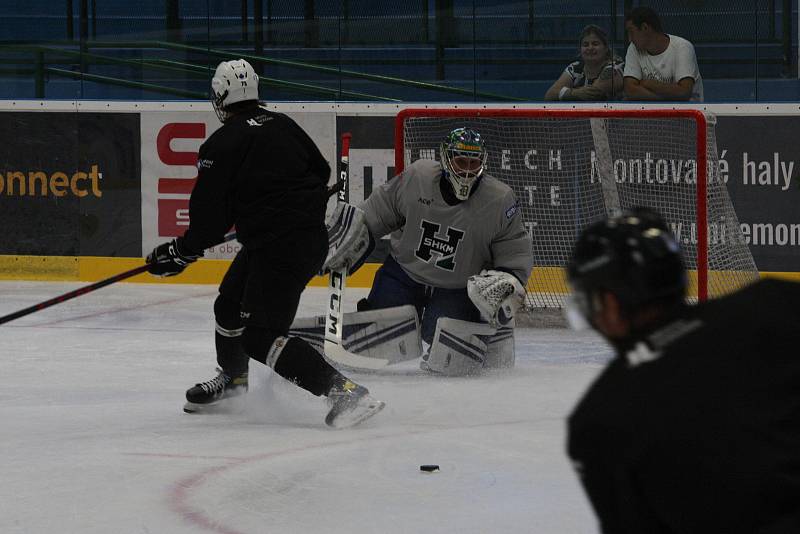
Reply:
x=571, y=169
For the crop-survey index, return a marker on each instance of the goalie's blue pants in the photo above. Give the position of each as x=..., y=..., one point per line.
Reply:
x=393, y=287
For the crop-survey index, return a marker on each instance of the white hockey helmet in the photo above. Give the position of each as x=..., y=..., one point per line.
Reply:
x=463, y=156
x=234, y=81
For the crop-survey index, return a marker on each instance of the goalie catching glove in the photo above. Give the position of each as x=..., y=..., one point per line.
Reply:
x=497, y=295
x=171, y=258
x=349, y=240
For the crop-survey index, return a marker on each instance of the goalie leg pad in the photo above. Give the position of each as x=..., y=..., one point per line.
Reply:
x=500, y=352
x=389, y=333
x=458, y=347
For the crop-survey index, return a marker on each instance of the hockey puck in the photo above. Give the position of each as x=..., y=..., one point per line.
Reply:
x=429, y=468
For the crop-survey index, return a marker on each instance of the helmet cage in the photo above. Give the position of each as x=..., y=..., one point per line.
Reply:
x=464, y=157
x=217, y=102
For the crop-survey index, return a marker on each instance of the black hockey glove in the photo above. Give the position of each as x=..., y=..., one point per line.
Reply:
x=169, y=259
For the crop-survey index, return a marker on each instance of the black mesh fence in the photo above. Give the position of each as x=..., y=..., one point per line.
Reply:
x=497, y=45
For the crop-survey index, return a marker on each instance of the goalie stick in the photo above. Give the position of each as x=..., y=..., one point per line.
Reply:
x=334, y=349
x=86, y=289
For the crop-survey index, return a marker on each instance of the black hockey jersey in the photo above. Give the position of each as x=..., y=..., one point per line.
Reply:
x=261, y=172
x=696, y=427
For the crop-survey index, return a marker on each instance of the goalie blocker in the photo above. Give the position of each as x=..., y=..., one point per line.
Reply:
x=349, y=240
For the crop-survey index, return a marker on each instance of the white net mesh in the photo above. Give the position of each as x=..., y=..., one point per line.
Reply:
x=569, y=169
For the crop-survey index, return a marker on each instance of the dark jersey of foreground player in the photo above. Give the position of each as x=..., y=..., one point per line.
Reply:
x=696, y=429
x=266, y=193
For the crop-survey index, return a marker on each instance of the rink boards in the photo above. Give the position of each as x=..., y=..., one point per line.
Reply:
x=89, y=188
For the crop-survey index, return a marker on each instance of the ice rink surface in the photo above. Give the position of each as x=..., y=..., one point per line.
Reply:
x=94, y=439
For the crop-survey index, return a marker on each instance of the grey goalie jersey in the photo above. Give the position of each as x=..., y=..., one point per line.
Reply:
x=442, y=245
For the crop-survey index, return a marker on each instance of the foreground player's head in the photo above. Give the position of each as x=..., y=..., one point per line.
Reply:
x=463, y=155
x=626, y=269
x=234, y=82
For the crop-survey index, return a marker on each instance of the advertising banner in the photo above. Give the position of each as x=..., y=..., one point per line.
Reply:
x=760, y=160
x=69, y=184
x=94, y=183
x=170, y=144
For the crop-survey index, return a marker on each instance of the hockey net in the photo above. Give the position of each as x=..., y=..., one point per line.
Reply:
x=569, y=168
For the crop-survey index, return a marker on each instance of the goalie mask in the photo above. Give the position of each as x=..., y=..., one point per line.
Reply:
x=463, y=155
x=634, y=256
x=233, y=81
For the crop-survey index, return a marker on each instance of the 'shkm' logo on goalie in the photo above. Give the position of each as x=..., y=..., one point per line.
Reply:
x=446, y=248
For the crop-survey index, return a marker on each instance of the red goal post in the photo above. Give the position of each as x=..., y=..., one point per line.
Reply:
x=569, y=168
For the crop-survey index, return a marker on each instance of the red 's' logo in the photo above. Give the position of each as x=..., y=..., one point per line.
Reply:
x=173, y=214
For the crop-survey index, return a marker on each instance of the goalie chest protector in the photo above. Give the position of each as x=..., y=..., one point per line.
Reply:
x=442, y=245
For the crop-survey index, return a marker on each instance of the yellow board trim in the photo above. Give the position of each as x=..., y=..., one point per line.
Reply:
x=553, y=280
x=94, y=268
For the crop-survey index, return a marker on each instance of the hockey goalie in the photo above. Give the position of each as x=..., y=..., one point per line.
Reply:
x=459, y=258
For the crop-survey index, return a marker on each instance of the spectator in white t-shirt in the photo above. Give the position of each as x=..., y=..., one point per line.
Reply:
x=659, y=66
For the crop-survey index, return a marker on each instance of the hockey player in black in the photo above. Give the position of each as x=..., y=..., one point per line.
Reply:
x=694, y=427
x=262, y=173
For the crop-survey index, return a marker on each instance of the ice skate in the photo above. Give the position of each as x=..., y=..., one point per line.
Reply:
x=351, y=404
x=215, y=395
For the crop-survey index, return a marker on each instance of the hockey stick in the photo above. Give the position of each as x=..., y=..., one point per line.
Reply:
x=84, y=290
x=334, y=319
